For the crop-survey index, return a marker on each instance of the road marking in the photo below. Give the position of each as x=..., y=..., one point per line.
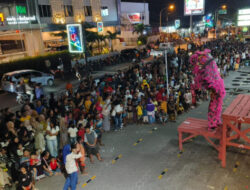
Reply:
x=210, y=187
x=88, y=181
x=162, y=173
x=118, y=157
x=236, y=166
x=137, y=142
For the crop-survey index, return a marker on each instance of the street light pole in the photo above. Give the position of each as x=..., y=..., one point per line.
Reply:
x=166, y=67
x=171, y=7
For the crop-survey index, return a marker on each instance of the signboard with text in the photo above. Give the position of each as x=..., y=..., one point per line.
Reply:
x=194, y=7
x=75, y=39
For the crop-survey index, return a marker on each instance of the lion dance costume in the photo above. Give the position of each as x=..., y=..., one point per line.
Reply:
x=207, y=76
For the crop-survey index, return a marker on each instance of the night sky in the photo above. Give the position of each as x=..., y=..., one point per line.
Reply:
x=210, y=5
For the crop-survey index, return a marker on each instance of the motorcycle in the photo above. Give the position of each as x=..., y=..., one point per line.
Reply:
x=22, y=98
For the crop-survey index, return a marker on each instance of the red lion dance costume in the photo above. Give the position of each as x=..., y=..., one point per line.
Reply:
x=207, y=75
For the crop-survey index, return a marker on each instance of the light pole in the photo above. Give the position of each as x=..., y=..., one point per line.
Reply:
x=170, y=8
x=216, y=15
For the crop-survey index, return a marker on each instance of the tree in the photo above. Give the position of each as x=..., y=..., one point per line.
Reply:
x=111, y=36
x=61, y=34
x=100, y=38
x=139, y=28
x=142, y=39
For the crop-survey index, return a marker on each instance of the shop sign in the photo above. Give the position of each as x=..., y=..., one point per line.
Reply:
x=100, y=26
x=75, y=38
x=177, y=24
x=20, y=19
x=135, y=18
x=21, y=10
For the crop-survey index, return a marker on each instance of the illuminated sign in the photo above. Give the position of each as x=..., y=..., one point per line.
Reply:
x=20, y=19
x=1, y=17
x=21, y=10
x=194, y=7
x=209, y=21
x=244, y=11
x=177, y=23
x=135, y=18
x=74, y=32
x=100, y=26
x=244, y=17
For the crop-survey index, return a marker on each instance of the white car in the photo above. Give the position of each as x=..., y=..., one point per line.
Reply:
x=10, y=80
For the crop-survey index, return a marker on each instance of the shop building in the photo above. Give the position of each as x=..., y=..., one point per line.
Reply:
x=26, y=26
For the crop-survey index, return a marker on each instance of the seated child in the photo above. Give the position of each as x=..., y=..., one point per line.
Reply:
x=54, y=166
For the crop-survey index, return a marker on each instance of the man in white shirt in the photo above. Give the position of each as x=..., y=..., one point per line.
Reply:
x=118, y=116
x=71, y=168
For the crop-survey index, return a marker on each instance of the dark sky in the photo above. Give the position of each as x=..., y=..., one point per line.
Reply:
x=210, y=5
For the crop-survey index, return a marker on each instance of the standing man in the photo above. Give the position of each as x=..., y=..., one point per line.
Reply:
x=71, y=168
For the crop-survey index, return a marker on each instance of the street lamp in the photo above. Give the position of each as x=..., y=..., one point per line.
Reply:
x=223, y=7
x=170, y=8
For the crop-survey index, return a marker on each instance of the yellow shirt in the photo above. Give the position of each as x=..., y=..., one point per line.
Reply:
x=164, y=106
x=87, y=105
x=22, y=119
x=156, y=104
x=139, y=110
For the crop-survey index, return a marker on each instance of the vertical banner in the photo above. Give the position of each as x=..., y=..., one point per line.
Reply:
x=100, y=26
x=75, y=40
x=194, y=7
x=177, y=24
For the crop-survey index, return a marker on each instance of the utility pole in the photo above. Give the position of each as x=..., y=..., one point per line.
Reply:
x=166, y=67
x=191, y=23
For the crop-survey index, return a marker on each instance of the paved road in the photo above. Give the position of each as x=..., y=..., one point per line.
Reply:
x=140, y=166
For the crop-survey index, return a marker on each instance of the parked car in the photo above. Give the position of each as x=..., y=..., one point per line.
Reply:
x=10, y=80
x=129, y=54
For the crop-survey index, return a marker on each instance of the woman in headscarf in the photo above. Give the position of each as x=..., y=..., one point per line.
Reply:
x=151, y=111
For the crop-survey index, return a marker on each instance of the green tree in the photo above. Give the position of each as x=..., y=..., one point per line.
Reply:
x=111, y=36
x=61, y=34
x=142, y=39
x=101, y=38
x=139, y=28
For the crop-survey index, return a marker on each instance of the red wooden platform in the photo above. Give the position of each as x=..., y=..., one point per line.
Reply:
x=195, y=127
x=237, y=113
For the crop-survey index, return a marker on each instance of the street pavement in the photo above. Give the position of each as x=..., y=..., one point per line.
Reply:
x=139, y=166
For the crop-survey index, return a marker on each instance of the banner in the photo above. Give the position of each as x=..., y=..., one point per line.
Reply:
x=177, y=24
x=75, y=40
x=194, y=7
x=135, y=18
x=100, y=26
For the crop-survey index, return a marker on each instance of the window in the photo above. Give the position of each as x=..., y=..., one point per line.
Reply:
x=104, y=11
x=45, y=11
x=88, y=10
x=68, y=10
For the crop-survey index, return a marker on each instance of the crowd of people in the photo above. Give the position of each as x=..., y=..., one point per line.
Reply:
x=46, y=136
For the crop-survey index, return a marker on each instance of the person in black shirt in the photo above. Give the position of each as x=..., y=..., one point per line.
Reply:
x=25, y=179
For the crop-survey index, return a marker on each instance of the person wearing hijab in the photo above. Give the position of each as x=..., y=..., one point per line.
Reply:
x=151, y=111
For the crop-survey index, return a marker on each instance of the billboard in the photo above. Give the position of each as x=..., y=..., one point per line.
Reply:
x=75, y=40
x=177, y=23
x=194, y=7
x=209, y=21
x=244, y=17
x=135, y=18
x=100, y=26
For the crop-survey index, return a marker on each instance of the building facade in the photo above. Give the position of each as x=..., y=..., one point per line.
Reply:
x=23, y=22
x=131, y=14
